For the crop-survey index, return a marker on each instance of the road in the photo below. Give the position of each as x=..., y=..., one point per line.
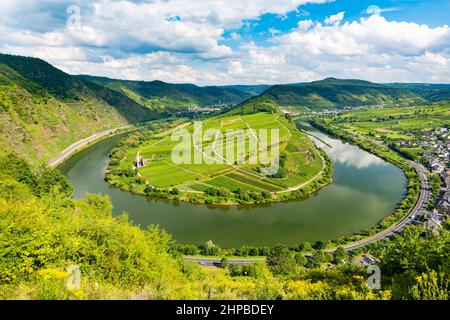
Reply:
x=79, y=144
x=213, y=262
x=420, y=205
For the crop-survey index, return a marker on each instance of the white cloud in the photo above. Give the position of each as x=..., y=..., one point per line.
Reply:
x=305, y=24
x=336, y=18
x=367, y=36
x=235, y=68
x=182, y=41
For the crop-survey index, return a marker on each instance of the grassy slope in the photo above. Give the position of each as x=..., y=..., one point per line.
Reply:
x=171, y=97
x=43, y=110
x=301, y=161
x=334, y=93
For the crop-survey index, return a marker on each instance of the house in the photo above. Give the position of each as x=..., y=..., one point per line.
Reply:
x=364, y=260
x=445, y=175
x=444, y=204
x=139, y=162
x=433, y=221
x=436, y=167
x=432, y=226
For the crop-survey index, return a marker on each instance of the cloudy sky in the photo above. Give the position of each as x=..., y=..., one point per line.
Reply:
x=234, y=41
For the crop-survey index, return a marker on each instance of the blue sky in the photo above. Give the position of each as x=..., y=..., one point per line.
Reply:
x=234, y=41
x=433, y=13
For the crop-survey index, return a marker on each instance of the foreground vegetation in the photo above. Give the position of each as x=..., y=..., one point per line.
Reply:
x=44, y=231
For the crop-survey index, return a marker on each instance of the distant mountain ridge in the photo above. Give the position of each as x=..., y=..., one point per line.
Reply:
x=252, y=90
x=159, y=95
x=43, y=109
x=332, y=93
x=429, y=91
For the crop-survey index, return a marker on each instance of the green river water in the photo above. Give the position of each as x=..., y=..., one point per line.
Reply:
x=365, y=190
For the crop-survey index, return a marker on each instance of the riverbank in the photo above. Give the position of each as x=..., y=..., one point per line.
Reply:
x=416, y=176
x=121, y=174
x=80, y=145
x=337, y=211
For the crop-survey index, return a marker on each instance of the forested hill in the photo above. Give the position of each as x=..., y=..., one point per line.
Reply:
x=158, y=95
x=261, y=103
x=428, y=91
x=334, y=93
x=252, y=90
x=43, y=110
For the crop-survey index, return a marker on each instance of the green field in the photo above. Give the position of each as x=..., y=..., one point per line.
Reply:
x=300, y=161
x=395, y=123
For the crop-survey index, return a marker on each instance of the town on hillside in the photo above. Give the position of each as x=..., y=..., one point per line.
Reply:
x=436, y=158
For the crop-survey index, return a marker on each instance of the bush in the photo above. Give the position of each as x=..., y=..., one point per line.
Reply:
x=319, y=245
x=280, y=260
x=300, y=259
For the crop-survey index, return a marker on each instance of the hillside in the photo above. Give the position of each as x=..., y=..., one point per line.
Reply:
x=335, y=93
x=428, y=91
x=252, y=90
x=43, y=110
x=158, y=95
x=44, y=231
x=261, y=103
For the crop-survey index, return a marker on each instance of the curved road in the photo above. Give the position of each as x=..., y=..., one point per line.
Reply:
x=79, y=144
x=421, y=205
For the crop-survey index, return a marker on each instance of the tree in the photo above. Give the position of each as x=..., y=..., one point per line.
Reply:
x=280, y=260
x=340, y=255
x=304, y=246
x=148, y=190
x=224, y=263
x=317, y=259
x=264, y=251
x=431, y=286
x=223, y=192
x=253, y=251
x=190, y=250
x=266, y=195
x=211, y=191
x=210, y=249
x=300, y=259
x=319, y=245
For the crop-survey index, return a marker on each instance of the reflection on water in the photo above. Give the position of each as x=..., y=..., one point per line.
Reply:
x=365, y=189
x=345, y=154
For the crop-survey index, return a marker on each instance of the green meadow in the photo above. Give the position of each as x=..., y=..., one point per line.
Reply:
x=208, y=163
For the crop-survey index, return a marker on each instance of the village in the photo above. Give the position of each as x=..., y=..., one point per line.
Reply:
x=436, y=157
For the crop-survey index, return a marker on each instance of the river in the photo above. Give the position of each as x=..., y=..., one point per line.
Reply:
x=365, y=189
